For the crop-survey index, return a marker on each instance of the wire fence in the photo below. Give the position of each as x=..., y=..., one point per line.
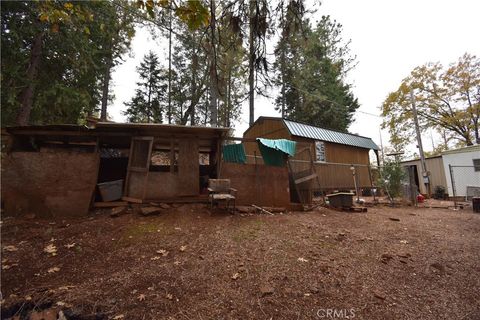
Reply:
x=464, y=182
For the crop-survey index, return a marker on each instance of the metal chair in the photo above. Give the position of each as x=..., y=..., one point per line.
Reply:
x=220, y=190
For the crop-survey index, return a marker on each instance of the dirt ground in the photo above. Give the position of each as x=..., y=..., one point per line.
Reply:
x=188, y=263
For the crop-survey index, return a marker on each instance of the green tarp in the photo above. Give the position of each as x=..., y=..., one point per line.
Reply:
x=234, y=153
x=275, y=152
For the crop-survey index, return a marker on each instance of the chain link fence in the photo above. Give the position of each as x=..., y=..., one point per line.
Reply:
x=464, y=183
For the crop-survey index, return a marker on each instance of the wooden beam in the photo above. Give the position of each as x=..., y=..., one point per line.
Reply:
x=307, y=178
x=110, y=204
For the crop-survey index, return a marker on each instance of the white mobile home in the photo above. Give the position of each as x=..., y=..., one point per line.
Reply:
x=464, y=166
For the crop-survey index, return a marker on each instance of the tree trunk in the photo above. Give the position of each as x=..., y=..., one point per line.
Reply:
x=251, y=64
x=106, y=83
x=213, y=70
x=229, y=97
x=476, y=131
x=26, y=98
x=170, y=70
x=282, y=63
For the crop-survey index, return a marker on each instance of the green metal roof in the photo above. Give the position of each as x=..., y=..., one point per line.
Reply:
x=317, y=133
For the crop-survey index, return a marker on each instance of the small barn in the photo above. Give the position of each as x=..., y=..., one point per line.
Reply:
x=53, y=170
x=334, y=155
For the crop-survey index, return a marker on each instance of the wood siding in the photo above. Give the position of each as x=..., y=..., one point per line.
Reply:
x=263, y=128
x=333, y=174
x=437, y=173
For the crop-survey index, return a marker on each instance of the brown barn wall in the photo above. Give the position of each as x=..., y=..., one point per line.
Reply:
x=160, y=185
x=333, y=176
x=264, y=128
x=49, y=184
x=260, y=185
x=339, y=153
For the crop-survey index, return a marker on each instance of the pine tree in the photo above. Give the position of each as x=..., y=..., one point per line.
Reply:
x=148, y=104
x=312, y=65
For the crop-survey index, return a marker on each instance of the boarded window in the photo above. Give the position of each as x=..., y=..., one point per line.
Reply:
x=476, y=164
x=320, y=151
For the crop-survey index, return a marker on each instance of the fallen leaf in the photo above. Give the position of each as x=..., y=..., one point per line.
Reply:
x=307, y=294
x=10, y=248
x=65, y=287
x=120, y=316
x=51, y=249
x=68, y=246
x=60, y=303
x=169, y=296
x=176, y=263
x=54, y=269
x=28, y=298
x=183, y=248
x=6, y=266
x=163, y=252
x=235, y=276
x=404, y=241
x=155, y=258
x=52, y=239
x=141, y=297
x=302, y=259
x=177, y=228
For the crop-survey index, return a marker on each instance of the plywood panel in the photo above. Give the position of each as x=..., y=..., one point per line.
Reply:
x=160, y=185
x=258, y=184
x=188, y=167
x=49, y=184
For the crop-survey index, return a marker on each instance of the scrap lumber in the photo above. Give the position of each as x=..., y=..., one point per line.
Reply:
x=133, y=200
x=146, y=211
x=262, y=209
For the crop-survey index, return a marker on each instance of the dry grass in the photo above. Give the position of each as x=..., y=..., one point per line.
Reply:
x=425, y=266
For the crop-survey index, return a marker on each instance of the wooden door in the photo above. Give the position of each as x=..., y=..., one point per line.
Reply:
x=138, y=167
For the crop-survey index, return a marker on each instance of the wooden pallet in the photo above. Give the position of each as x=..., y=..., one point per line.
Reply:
x=355, y=209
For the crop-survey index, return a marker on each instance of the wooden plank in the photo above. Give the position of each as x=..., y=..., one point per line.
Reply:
x=172, y=157
x=127, y=178
x=110, y=204
x=307, y=178
x=133, y=200
x=145, y=181
x=137, y=169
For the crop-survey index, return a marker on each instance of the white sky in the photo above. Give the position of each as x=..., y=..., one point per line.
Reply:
x=389, y=38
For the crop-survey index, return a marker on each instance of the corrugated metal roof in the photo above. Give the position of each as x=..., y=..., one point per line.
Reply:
x=308, y=131
x=474, y=148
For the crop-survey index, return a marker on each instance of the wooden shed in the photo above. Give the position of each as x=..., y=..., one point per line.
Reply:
x=435, y=170
x=53, y=170
x=334, y=154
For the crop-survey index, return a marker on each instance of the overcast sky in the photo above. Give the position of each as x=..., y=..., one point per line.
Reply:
x=389, y=38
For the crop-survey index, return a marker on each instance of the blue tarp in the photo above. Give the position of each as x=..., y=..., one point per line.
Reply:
x=276, y=151
x=234, y=153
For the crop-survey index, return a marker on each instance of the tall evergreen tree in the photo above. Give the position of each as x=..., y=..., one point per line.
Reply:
x=313, y=87
x=148, y=104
